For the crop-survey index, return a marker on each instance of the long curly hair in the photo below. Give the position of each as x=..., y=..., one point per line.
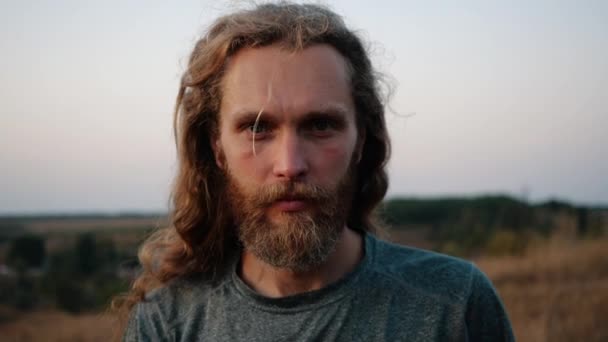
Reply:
x=201, y=237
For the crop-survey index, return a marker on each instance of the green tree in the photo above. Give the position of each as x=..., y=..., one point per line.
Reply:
x=27, y=251
x=86, y=255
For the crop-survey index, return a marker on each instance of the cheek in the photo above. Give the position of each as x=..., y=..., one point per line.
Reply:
x=240, y=160
x=332, y=160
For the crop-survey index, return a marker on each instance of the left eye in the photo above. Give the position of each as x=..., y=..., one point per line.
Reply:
x=321, y=125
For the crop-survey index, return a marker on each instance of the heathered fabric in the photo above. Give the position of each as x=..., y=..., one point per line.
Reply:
x=395, y=294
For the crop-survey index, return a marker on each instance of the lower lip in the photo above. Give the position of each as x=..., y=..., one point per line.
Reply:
x=290, y=205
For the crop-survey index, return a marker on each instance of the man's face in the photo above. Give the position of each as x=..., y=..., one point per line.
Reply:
x=287, y=139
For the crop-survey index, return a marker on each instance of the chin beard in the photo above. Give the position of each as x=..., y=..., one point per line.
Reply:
x=298, y=241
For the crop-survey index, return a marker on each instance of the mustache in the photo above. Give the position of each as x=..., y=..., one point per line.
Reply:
x=267, y=195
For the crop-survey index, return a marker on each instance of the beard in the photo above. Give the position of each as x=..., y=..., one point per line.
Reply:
x=296, y=240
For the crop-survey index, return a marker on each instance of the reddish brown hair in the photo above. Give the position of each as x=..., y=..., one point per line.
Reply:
x=202, y=237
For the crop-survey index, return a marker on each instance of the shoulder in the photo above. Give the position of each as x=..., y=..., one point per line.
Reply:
x=177, y=297
x=434, y=274
x=166, y=307
x=444, y=279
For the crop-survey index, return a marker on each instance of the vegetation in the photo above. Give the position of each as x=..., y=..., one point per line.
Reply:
x=494, y=225
x=555, y=291
x=27, y=251
x=62, y=268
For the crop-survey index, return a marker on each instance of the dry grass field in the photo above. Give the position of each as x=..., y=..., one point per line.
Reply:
x=557, y=291
x=53, y=326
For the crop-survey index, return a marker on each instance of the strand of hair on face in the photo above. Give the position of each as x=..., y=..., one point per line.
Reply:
x=255, y=129
x=257, y=118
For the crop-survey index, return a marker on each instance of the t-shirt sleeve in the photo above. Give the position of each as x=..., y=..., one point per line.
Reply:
x=145, y=325
x=486, y=318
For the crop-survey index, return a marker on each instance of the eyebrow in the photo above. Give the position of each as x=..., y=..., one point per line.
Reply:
x=336, y=111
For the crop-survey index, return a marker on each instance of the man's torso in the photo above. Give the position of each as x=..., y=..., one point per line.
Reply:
x=395, y=294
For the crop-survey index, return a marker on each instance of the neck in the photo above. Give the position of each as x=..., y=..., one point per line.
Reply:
x=275, y=282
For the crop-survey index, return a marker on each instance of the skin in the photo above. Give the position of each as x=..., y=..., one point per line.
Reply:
x=306, y=132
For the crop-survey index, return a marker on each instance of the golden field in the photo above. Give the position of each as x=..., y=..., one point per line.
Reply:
x=556, y=292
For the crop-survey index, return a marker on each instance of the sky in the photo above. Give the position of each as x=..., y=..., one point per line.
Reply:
x=488, y=97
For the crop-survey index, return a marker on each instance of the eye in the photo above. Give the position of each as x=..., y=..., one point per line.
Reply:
x=261, y=127
x=262, y=130
x=321, y=125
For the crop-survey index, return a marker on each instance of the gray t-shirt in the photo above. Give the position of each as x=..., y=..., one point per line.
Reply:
x=396, y=293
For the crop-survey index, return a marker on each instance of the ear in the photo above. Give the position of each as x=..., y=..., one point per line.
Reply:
x=216, y=146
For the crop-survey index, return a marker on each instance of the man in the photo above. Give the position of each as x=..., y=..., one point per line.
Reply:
x=282, y=146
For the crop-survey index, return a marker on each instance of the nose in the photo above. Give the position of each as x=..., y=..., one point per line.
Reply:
x=290, y=158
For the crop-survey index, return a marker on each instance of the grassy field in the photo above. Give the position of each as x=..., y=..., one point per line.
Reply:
x=53, y=326
x=556, y=291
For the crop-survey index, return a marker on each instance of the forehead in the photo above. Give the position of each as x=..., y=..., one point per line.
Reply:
x=282, y=81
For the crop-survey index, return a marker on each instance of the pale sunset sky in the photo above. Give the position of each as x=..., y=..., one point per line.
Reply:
x=490, y=97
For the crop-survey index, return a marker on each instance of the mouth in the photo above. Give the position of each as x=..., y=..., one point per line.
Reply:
x=291, y=204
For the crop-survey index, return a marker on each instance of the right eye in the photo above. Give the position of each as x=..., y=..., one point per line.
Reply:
x=259, y=131
x=261, y=127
